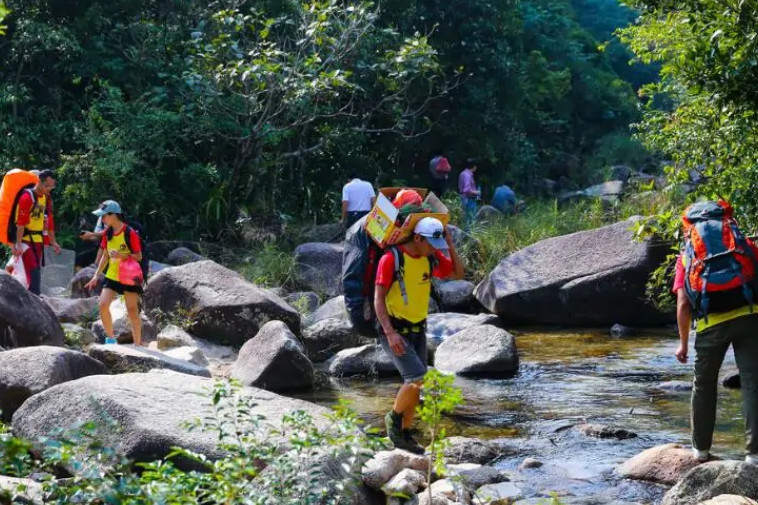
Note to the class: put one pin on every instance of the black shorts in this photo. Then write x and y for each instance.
(121, 288)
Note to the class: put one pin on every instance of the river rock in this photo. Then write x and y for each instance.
(188, 353)
(25, 320)
(223, 306)
(729, 499)
(713, 479)
(474, 476)
(305, 302)
(318, 266)
(478, 351)
(406, 482)
(443, 325)
(471, 450)
(494, 494)
(596, 277)
(150, 409)
(73, 310)
(31, 370)
(530, 463)
(619, 330)
(602, 431)
(367, 360)
(77, 337)
(160, 249)
(664, 464)
(81, 278)
(122, 359)
(457, 296)
(174, 336)
(333, 308)
(24, 491)
(274, 360)
(732, 381)
(183, 256)
(386, 464)
(328, 337)
(675, 386)
(487, 214)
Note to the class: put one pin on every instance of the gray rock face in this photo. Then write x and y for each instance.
(305, 303)
(712, 479)
(319, 267)
(330, 309)
(446, 324)
(457, 296)
(595, 277)
(78, 337)
(223, 306)
(367, 360)
(274, 360)
(479, 351)
(386, 464)
(25, 320)
(183, 256)
(28, 371)
(73, 310)
(173, 336)
(150, 410)
(121, 359)
(665, 464)
(186, 353)
(328, 337)
(474, 476)
(80, 279)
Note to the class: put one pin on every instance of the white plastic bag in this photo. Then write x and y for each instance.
(19, 270)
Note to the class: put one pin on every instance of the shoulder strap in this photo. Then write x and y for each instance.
(400, 272)
(128, 237)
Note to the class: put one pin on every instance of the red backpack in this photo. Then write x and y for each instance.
(720, 266)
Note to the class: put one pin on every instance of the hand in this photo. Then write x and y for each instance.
(117, 255)
(681, 353)
(397, 344)
(92, 284)
(88, 235)
(56, 248)
(17, 249)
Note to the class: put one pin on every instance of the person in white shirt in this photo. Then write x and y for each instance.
(358, 199)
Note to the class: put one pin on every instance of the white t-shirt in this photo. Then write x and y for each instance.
(358, 195)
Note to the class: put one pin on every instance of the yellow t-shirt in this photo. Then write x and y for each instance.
(36, 225)
(116, 243)
(418, 286)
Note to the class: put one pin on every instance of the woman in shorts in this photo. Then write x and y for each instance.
(120, 243)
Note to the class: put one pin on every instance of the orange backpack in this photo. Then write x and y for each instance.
(13, 186)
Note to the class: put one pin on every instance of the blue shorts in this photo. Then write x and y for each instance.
(413, 363)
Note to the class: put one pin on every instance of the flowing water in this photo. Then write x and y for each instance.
(567, 378)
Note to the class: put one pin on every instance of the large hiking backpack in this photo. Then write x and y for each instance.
(14, 184)
(135, 227)
(360, 261)
(720, 266)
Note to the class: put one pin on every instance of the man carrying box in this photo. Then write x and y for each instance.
(402, 292)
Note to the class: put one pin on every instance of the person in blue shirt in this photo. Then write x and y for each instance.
(504, 199)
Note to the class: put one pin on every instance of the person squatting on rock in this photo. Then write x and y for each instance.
(401, 303)
(715, 283)
(35, 226)
(120, 244)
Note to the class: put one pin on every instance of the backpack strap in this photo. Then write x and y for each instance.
(397, 254)
(128, 237)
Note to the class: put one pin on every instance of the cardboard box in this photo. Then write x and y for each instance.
(381, 222)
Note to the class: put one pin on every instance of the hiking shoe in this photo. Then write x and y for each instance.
(411, 444)
(701, 456)
(394, 424)
(751, 459)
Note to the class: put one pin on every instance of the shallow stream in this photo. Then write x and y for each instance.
(568, 378)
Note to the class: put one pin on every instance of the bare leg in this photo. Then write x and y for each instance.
(406, 401)
(132, 309)
(106, 298)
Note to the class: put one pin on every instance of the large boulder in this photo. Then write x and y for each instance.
(664, 464)
(457, 296)
(446, 324)
(183, 256)
(330, 309)
(122, 326)
(80, 280)
(73, 310)
(318, 266)
(367, 360)
(222, 305)
(710, 480)
(595, 277)
(478, 351)
(328, 337)
(487, 214)
(329, 232)
(25, 320)
(386, 464)
(274, 360)
(31, 370)
(150, 409)
(121, 359)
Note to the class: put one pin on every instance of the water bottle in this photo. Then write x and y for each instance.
(110, 340)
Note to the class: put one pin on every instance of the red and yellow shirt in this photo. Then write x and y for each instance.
(118, 243)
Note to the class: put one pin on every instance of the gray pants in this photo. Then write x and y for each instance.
(710, 348)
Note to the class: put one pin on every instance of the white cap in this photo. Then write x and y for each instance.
(433, 231)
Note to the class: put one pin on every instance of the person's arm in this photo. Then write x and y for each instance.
(396, 342)
(684, 323)
(449, 267)
(103, 261)
(51, 228)
(25, 204)
(343, 217)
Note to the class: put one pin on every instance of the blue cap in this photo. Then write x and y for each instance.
(108, 207)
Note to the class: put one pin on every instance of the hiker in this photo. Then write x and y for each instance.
(401, 302)
(439, 169)
(505, 199)
(358, 199)
(121, 249)
(469, 192)
(88, 248)
(35, 227)
(715, 285)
